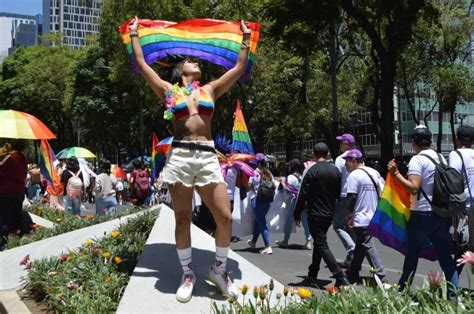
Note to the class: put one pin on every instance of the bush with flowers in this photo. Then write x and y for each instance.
(63, 222)
(92, 278)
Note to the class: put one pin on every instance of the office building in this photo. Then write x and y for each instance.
(16, 30)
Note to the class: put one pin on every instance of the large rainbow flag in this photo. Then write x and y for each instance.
(47, 169)
(390, 220)
(240, 135)
(215, 41)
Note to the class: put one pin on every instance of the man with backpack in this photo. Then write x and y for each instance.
(364, 186)
(462, 160)
(425, 222)
(140, 183)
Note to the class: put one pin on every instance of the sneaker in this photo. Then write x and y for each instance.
(342, 282)
(283, 243)
(223, 282)
(267, 251)
(308, 245)
(251, 244)
(185, 290)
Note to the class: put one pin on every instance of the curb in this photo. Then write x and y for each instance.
(10, 302)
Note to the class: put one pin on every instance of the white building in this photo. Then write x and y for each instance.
(9, 25)
(75, 19)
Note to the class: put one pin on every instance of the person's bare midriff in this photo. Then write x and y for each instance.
(193, 128)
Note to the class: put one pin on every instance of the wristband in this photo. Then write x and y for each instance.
(247, 33)
(396, 173)
(244, 44)
(133, 34)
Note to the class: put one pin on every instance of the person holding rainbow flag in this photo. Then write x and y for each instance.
(192, 161)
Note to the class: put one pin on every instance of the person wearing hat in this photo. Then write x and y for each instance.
(424, 225)
(292, 186)
(364, 186)
(346, 142)
(462, 160)
(192, 162)
(320, 189)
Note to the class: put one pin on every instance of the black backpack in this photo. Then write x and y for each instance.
(449, 198)
(266, 191)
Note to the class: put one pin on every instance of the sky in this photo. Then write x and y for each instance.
(27, 7)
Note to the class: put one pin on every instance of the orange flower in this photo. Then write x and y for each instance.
(106, 254)
(118, 260)
(332, 289)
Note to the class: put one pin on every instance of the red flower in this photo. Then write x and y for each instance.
(25, 260)
(63, 257)
(28, 265)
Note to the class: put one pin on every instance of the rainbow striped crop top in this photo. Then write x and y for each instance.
(177, 104)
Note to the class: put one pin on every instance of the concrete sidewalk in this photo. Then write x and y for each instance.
(153, 284)
(12, 273)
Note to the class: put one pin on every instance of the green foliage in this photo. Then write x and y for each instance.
(64, 222)
(91, 279)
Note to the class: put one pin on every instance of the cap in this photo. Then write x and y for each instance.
(421, 134)
(259, 157)
(465, 132)
(320, 148)
(346, 138)
(353, 153)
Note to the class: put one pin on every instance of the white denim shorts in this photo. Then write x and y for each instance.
(192, 167)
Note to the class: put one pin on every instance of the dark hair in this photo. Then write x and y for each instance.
(175, 73)
(265, 173)
(106, 164)
(137, 164)
(421, 136)
(295, 166)
(15, 144)
(72, 164)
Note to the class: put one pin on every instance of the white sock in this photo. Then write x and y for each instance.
(221, 259)
(185, 259)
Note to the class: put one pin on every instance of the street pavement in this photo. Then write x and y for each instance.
(290, 265)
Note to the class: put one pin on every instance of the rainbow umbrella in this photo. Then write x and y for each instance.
(21, 125)
(79, 152)
(118, 172)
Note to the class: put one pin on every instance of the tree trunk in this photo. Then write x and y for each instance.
(289, 148)
(387, 77)
(440, 130)
(451, 123)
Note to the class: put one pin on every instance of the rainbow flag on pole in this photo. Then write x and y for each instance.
(215, 41)
(240, 135)
(390, 220)
(158, 154)
(46, 162)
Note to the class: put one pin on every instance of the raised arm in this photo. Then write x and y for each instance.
(159, 86)
(225, 82)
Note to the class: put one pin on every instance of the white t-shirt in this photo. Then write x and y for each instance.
(255, 183)
(423, 167)
(340, 163)
(358, 182)
(230, 180)
(456, 163)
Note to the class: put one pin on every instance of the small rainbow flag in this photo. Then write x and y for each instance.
(240, 135)
(47, 169)
(158, 154)
(390, 220)
(215, 41)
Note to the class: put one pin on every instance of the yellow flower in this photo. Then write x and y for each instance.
(304, 293)
(244, 289)
(286, 289)
(106, 254)
(256, 291)
(118, 260)
(115, 234)
(88, 242)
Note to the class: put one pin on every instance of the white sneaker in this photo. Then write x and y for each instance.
(185, 290)
(267, 251)
(251, 244)
(223, 282)
(308, 245)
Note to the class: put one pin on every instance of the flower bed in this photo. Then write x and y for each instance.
(92, 278)
(64, 222)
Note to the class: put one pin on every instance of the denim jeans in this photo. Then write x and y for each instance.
(339, 224)
(104, 203)
(34, 191)
(290, 219)
(422, 227)
(260, 209)
(72, 205)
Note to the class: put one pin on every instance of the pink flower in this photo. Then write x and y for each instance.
(467, 258)
(72, 284)
(63, 257)
(28, 265)
(25, 260)
(435, 279)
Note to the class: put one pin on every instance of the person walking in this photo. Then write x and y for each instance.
(292, 186)
(140, 183)
(424, 225)
(319, 192)
(192, 162)
(73, 183)
(261, 197)
(105, 186)
(346, 142)
(364, 186)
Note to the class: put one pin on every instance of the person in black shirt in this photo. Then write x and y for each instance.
(320, 189)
